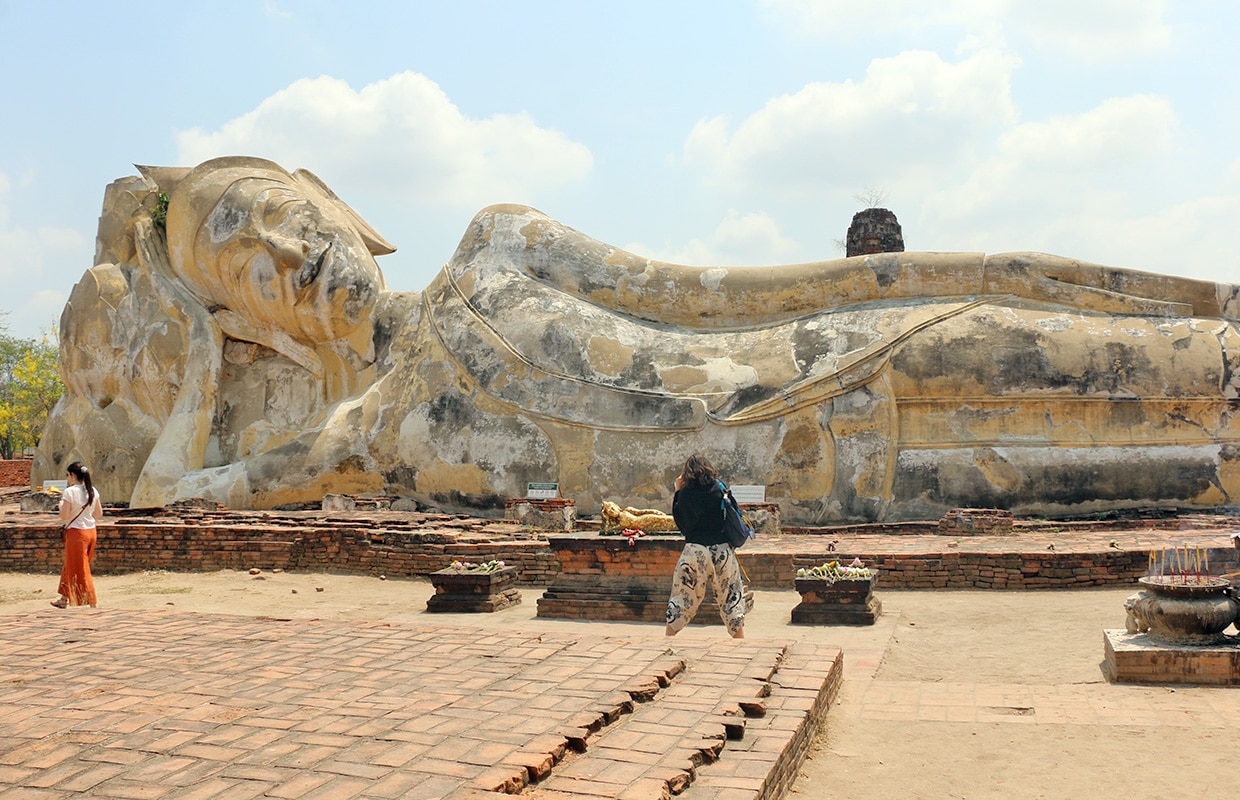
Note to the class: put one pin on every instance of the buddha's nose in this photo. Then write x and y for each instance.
(288, 254)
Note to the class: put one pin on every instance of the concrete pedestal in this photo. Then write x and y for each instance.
(1134, 658)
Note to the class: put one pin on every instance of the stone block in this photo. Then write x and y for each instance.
(764, 517)
(40, 501)
(557, 514)
(976, 522)
(339, 502)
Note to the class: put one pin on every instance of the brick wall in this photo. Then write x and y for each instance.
(126, 548)
(134, 546)
(15, 472)
(1001, 571)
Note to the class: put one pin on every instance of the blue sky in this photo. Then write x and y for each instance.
(726, 133)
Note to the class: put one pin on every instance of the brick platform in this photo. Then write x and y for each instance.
(166, 705)
(472, 592)
(608, 577)
(1132, 658)
(841, 602)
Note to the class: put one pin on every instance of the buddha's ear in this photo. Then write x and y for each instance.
(377, 245)
(165, 178)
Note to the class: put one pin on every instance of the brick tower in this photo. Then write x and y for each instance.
(875, 230)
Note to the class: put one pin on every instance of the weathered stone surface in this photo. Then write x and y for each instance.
(251, 355)
(40, 501)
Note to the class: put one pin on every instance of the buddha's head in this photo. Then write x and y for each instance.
(278, 249)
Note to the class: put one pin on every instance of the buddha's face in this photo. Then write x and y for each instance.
(279, 257)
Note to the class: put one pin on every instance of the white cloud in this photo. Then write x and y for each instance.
(1088, 30)
(400, 137)
(41, 315)
(912, 120)
(28, 258)
(272, 10)
(1232, 172)
(23, 250)
(1193, 238)
(1062, 170)
(739, 240)
(1103, 186)
(847, 17)
(1094, 30)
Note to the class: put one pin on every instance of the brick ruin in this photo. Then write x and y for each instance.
(874, 230)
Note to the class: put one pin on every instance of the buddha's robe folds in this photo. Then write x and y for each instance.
(882, 387)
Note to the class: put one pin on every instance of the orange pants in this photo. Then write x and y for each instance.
(75, 580)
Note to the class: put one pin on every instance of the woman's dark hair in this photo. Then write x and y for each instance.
(699, 471)
(78, 470)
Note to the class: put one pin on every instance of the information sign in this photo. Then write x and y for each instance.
(747, 493)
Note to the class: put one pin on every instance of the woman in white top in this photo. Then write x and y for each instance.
(79, 508)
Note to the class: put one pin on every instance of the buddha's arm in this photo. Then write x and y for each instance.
(515, 237)
(1080, 284)
(747, 297)
(182, 443)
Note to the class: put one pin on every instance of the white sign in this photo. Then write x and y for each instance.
(749, 493)
(542, 491)
(61, 485)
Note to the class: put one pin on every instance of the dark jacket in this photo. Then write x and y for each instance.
(699, 515)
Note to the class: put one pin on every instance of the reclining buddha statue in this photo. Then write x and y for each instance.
(236, 342)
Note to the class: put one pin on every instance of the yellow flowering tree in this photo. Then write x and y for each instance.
(29, 388)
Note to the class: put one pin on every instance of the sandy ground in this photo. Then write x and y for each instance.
(1020, 670)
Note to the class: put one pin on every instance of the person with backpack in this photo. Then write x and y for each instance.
(698, 508)
(79, 508)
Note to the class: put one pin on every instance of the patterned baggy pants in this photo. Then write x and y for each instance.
(699, 562)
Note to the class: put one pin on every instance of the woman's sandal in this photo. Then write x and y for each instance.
(60, 603)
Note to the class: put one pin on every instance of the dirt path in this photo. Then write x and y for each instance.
(950, 695)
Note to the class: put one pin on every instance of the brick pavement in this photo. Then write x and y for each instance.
(162, 705)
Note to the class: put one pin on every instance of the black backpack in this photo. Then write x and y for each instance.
(735, 526)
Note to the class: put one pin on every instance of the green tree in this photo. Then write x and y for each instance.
(29, 388)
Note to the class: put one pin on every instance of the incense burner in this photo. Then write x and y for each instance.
(1183, 610)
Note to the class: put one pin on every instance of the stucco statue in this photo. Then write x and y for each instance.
(251, 355)
(1138, 610)
(616, 519)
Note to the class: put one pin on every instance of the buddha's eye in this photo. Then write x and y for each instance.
(281, 209)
